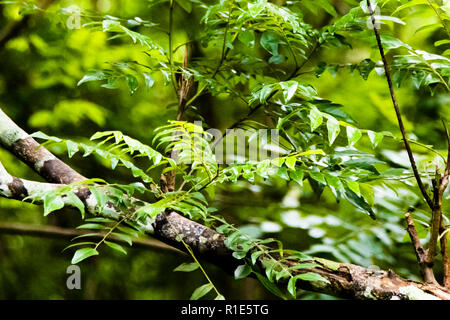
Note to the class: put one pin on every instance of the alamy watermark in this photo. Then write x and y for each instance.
(74, 19)
(74, 279)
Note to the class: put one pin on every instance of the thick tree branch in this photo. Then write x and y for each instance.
(343, 279)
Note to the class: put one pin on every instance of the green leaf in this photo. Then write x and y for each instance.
(129, 231)
(316, 118)
(185, 4)
(290, 162)
(41, 135)
(201, 291)
(149, 79)
(310, 276)
(100, 196)
(82, 254)
(247, 37)
(375, 137)
(187, 267)
(242, 271)
(365, 67)
(289, 88)
(333, 128)
(255, 255)
(132, 82)
(78, 244)
(353, 135)
(99, 219)
(115, 246)
(92, 226)
(76, 202)
(292, 289)
(325, 4)
(93, 76)
(318, 176)
(52, 202)
(72, 148)
(151, 210)
(270, 41)
(297, 176)
(360, 202)
(270, 286)
(354, 186)
(123, 237)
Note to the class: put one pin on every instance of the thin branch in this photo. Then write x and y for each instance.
(66, 233)
(397, 111)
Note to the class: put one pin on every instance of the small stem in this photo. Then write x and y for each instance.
(109, 232)
(188, 248)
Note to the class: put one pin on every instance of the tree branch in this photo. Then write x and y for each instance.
(343, 279)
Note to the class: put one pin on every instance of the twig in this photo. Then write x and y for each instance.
(425, 270)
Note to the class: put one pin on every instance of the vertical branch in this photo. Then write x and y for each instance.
(397, 111)
(435, 204)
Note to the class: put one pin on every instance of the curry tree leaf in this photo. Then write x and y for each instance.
(334, 128)
(115, 246)
(201, 291)
(316, 118)
(242, 271)
(52, 202)
(353, 135)
(187, 267)
(82, 254)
